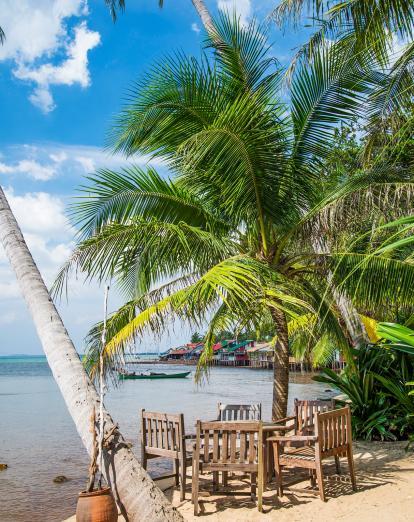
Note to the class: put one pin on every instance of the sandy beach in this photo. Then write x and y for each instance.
(385, 478)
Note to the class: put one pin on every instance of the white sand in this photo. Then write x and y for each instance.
(385, 480)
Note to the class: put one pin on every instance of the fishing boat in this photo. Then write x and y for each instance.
(152, 375)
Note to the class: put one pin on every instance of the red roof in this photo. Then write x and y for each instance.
(216, 347)
(193, 345)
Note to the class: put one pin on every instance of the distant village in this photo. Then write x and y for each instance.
(232, 352)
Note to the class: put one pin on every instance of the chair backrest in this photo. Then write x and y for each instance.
(305, 414)
(235, 412)
(162, 433)
(334, 431)
(229, 445)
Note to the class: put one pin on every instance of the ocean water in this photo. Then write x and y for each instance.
(38, 439)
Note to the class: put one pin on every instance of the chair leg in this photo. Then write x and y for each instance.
(278, 469)
(351, 468)
(312, 478)
(253, 478)
(225, 478)
(269, 461)
(176, 471)
(195, 487)
(183, 480)
(337, 465)
(215, 480)
(319, 476)
(260, 487)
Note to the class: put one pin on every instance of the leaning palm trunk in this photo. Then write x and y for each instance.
(136, 493)
(280, 366)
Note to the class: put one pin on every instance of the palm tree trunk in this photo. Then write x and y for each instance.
(136, 493)
(204, 14)
(280, 366)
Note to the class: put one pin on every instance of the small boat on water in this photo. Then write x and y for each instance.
(152, 375)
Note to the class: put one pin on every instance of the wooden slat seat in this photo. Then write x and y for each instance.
(332, 438)
(304, 453)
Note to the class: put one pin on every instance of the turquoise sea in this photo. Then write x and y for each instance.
(38, 440)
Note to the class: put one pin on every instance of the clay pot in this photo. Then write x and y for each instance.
(97, 506)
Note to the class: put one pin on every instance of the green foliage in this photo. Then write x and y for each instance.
(381, 405)
(196, 338)
(232, 232)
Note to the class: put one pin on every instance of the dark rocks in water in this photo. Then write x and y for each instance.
(327, 391)
(60, 479)
(3, 467)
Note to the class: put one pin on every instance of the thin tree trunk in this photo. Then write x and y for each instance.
(204, 14)
(280, 366)
(138, 496)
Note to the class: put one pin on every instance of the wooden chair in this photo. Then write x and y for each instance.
(163, 435)
(228, 446)
(235, 412)
(305, 414)
(332, 438)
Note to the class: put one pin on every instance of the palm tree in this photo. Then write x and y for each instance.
(134, 489)
(228, 239)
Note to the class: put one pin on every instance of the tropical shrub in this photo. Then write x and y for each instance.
(381, 404)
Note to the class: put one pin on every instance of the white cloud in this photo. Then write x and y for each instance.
(58, 157)
(30, 167)
(195, 27)
(41, 215)
(42, 98)
(37, 34)
(243, 8)
(35, 28)
(87, 163)
(51, 161)
(5, 169)
(48, 234)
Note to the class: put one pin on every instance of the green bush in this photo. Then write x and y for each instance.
(381, 405)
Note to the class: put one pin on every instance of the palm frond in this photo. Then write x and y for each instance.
(115, 6)
(375, 281)
(324, 93)
(373, 22)
(144, 251)
(138, 193)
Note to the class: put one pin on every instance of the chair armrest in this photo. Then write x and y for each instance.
(293, 438)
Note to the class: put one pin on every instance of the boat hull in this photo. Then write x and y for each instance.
(182, 375)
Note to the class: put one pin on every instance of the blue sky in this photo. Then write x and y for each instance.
(64, 72)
